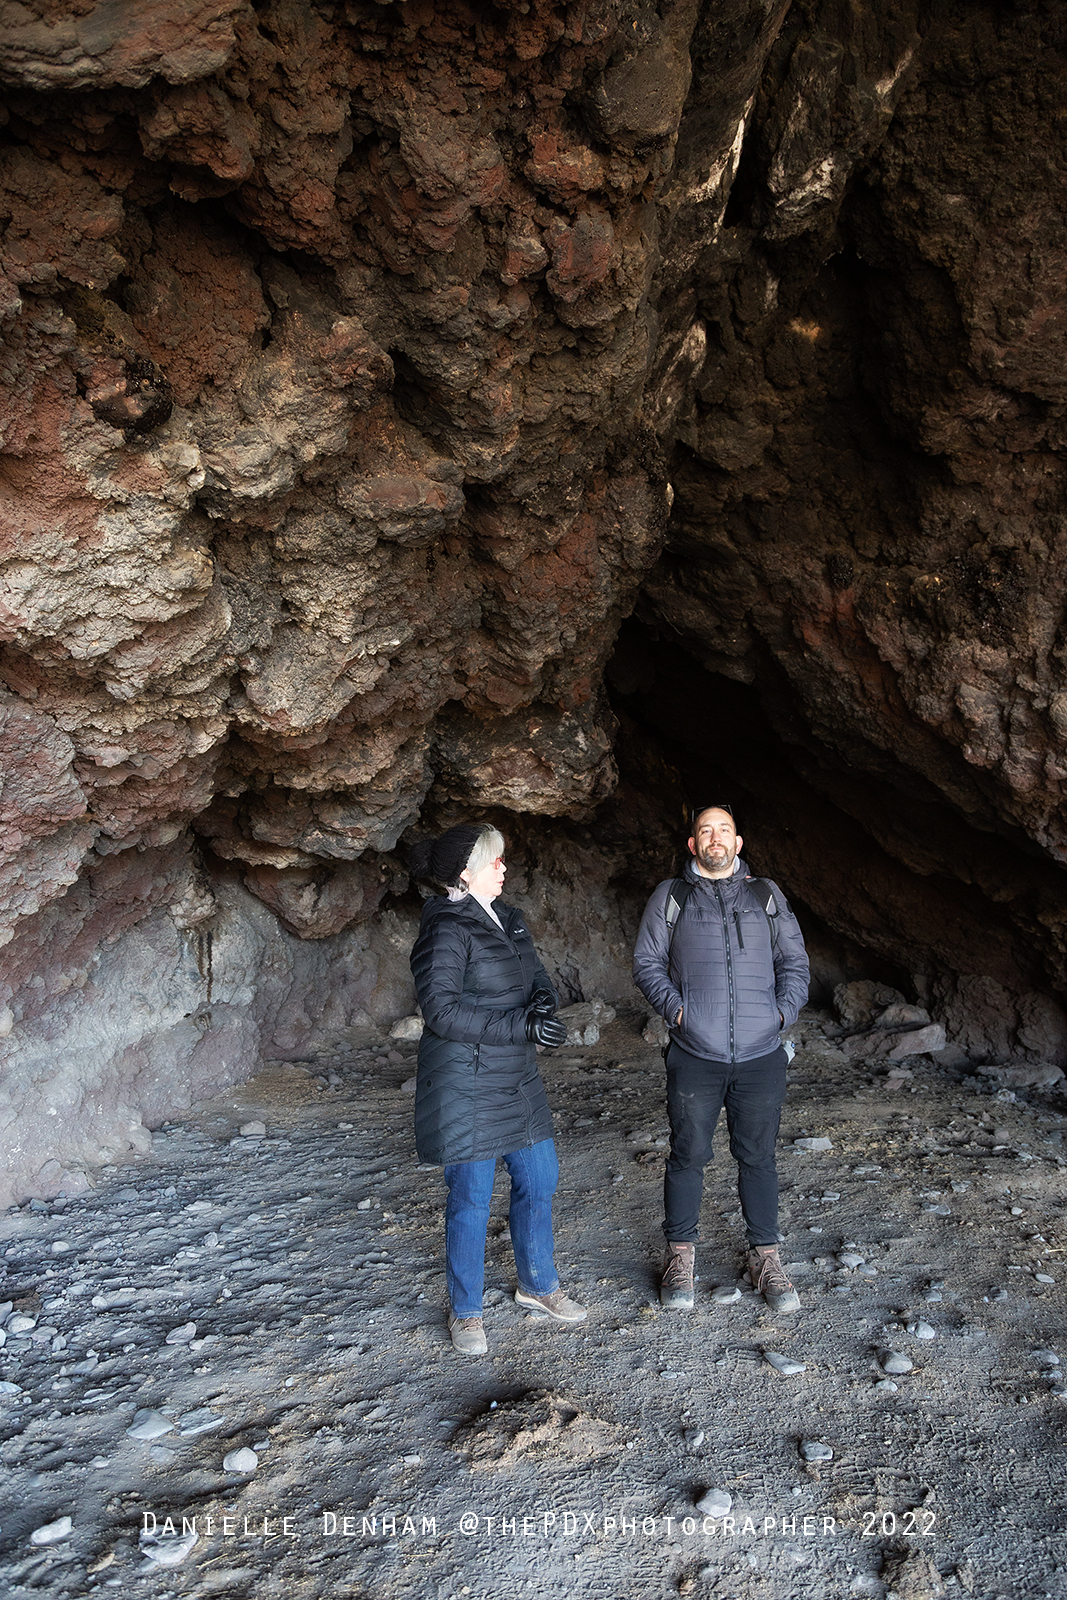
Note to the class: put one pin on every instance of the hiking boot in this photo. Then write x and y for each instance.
(676, 1284)
(767, 1275)
(556, 1304)
(468, 1335)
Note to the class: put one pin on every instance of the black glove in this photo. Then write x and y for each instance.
(543, 1002)
(545, 1030)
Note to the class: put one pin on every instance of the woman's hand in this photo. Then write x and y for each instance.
(548, 1031)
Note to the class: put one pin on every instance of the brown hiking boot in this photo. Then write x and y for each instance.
(676, 1284)
(767, 1275)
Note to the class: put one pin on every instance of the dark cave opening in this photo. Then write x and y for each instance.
(868, 864)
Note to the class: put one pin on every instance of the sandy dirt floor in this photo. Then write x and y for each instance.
(282, 1293)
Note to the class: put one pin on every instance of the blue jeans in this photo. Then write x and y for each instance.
(752, 1093)
(534, 1175)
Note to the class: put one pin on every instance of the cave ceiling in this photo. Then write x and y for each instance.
(367, 366)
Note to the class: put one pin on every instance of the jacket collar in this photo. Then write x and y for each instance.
(728, 885)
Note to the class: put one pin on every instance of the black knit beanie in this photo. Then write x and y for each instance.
(443, 859)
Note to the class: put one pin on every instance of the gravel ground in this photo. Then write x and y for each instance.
(282, 1292)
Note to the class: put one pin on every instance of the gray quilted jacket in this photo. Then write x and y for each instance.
(724, 975)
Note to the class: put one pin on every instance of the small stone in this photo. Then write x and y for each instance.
(893, 1361)
(1045, 1358)
(7, 1387)
(20, 1323)
(408, 1086)
(867, 1271)
(694, 1438)
(148, 1425)
(182, 1335)
(932, 1297)
(60, 1246)
(785, 1365)
(938, 1210)
(921, 1330)
(413, 1461)
(363, 1205)
(887, 1386)
(715, 1503)
(812, 1144)
(815, 1450)
(1043, 1277)
(52, 1532)
(167, 1550)
(849, 1258)
(726, 1295)
(243, 1460)
(253, 1130)
(202, 1420)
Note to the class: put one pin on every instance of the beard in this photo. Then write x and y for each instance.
(717, 858)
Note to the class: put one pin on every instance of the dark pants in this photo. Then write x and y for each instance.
(752, 1092)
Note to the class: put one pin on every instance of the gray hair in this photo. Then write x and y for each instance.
(488, 845)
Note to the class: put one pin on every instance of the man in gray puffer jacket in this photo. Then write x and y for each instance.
(727, 971)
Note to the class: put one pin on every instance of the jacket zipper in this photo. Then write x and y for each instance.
(729, 963)
(477, 1056)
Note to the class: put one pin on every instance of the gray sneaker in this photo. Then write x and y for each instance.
(676, 1282)
(556, 1304)
(468, 1335)
(767, 1275)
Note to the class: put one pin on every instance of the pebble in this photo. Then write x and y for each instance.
(148, 1425)
(243, 1460)
(1046, 1358)
(815, 1450)
(887, 1386)
(166, 1549)
(867, 1271)
(199, 1421)
(813, 1144)
(408, 1086)
(939, 1210)
(715, 1503)
(893, 1361)
(20, 1323)
(694, 1438)
(725, 1295)
(849, 1258)
(60, 1246)
(52, 1532)
(253, 1130)
(784, 1364)
(932, 1297)
(183, 1334)
(1043, 1277)
(363, 1205)
(921, 1330)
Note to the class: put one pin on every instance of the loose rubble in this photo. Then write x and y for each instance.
(302, 1268)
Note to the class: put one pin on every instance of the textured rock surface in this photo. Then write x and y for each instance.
(352, 360)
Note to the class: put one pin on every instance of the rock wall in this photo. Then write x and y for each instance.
(365, 366)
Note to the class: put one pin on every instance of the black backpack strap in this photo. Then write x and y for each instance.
(677, 896)
(764, 892)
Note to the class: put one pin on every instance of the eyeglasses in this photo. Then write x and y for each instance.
(714, 805)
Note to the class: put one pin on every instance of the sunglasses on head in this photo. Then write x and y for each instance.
(714, 805)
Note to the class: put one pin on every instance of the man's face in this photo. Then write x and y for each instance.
(715, 843)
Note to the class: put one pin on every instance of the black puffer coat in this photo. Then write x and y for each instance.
(479, 1093)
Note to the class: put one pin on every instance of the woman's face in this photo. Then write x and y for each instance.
(489, 882)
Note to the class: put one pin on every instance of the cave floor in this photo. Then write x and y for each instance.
(567, 1462)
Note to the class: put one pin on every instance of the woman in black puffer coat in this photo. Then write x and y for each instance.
(486, 1002)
